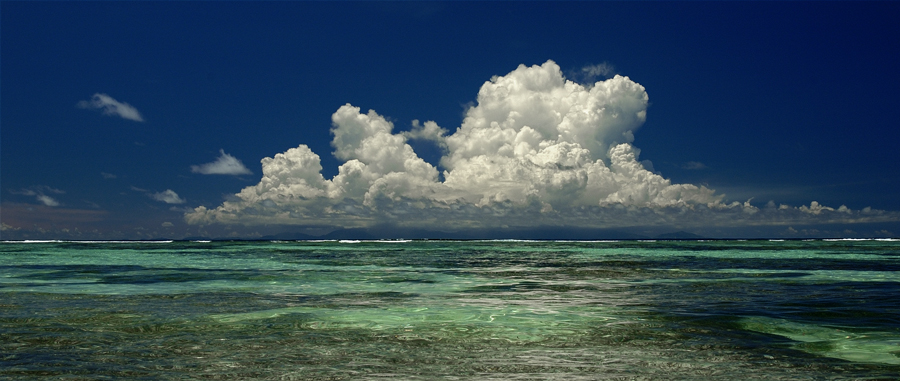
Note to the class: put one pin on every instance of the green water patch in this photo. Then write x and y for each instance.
(449, 310)
(306, 279)
(757, 275)
(462, 320)
(842, 343)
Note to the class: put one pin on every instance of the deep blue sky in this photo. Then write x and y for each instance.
(790, 102)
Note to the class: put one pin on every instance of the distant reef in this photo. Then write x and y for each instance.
(551, 233)
(679, 235)
(548, 233)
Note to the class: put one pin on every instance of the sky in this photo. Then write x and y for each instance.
(142, 120)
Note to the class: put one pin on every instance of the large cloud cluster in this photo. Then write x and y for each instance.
(536, 149)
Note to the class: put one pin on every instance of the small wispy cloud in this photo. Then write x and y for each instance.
(591, 73)
(693, 165)
(109, 106)
(107, 175)
(39, 192)
(604, 69)
(168, 196)
(5, 227)
(225, 164)
(47, 200)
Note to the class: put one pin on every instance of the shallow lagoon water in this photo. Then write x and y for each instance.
(815, 310)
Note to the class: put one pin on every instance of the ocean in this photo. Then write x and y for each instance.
(454, 310)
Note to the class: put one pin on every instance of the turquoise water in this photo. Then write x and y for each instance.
(813, 310)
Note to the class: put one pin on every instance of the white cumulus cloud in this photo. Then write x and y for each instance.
(168, 196)
(225, 164)
(429, 131)
(109, 106)
(535, 150)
